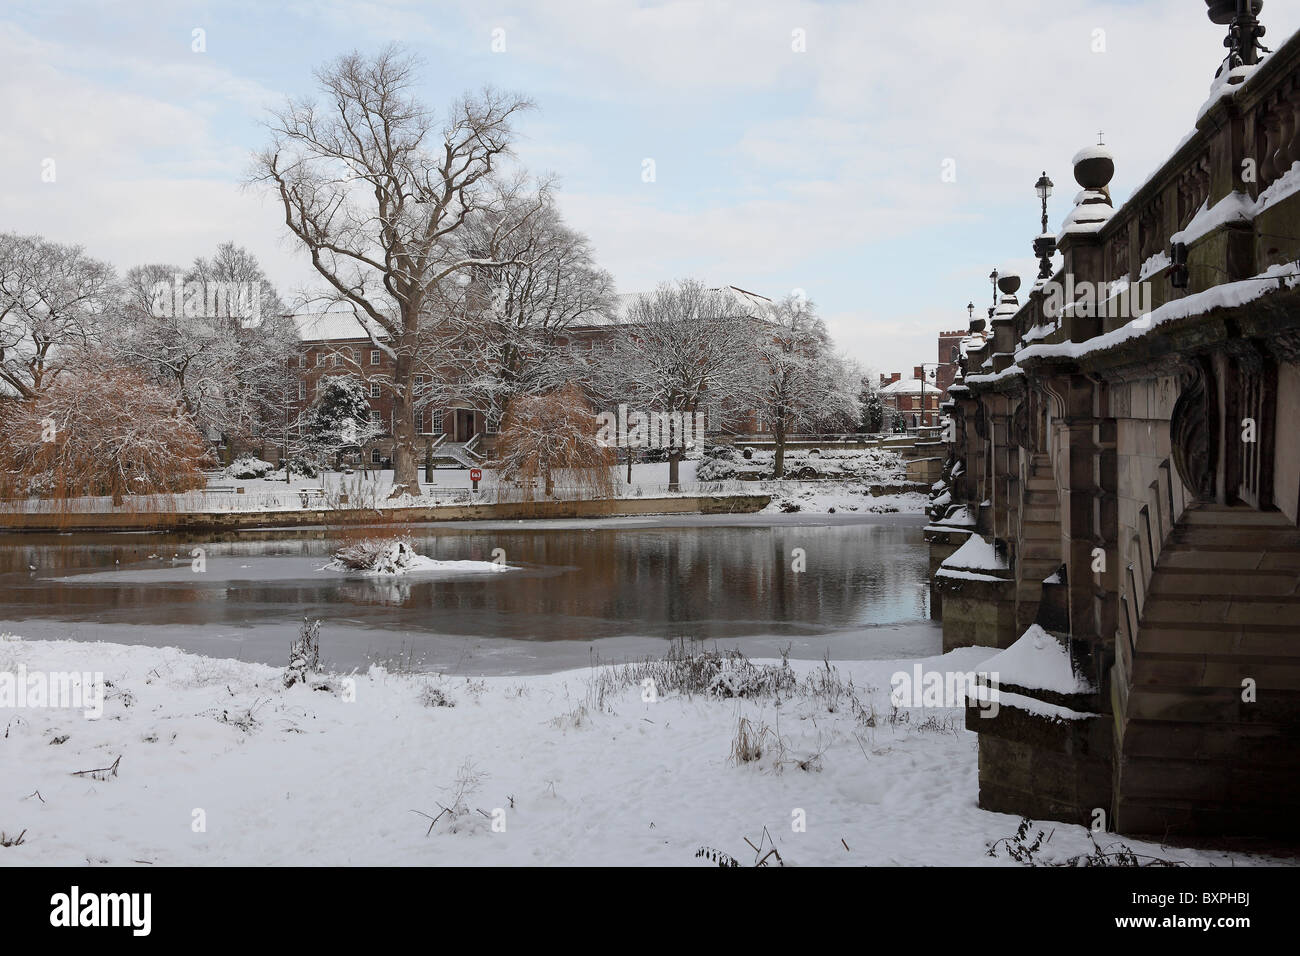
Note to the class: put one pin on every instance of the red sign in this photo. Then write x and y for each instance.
(476, 474)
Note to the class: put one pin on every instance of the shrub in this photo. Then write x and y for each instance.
(246, 467)
(100, 431)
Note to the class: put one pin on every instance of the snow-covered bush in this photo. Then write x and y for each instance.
(380, 555)
(304, 654)
(718, 464)
(246, 467)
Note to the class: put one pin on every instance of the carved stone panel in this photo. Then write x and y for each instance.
(1193, 431)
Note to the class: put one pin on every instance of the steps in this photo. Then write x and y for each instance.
(1039, 553)
(459, 452)
(1222, 607)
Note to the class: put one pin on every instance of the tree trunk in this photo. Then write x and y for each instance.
(674, 461)
(406, 469)
(629, 464)
(778, 438)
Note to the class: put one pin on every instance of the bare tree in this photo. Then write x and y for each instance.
(682, 349)
(53, 301)
(803, 382)
(377, 191)
(516, 343)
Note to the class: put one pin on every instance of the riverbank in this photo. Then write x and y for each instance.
(216, 763)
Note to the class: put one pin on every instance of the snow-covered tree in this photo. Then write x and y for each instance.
(873, 407)
(803, 383)
(100, 430)
(216, 333)
(53, 302)
(339, 419)
(377, 190)
(683, 348)
(511, 345)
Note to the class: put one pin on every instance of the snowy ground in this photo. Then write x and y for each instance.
(302, 776)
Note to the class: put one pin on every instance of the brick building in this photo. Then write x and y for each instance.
(334, 344)
(947, 371)
(915, 399)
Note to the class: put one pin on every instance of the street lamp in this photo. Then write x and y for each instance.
(993, 277)
(1044, 245)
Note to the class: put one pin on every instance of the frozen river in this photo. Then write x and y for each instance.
(618, 587)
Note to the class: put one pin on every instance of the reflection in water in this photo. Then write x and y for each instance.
(705, 582)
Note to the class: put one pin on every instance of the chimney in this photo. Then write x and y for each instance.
(918, 371)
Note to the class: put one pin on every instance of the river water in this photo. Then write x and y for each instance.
(616, 588)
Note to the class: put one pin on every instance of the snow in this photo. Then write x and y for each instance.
(1092, 152)
(976, 553)
(1030, 705)
(1228, 295)
(1008, 372)
(1226, 83)
(302, 776)
(828, 497)
(1285, 185)
(1037, 661)
(1153, 264)
(398, 557)
(1235, 207)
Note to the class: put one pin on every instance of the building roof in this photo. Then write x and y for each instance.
(345, 326)
(908, 386)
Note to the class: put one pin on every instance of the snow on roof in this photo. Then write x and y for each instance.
(344, 326)
(907, 386)
(329, 327)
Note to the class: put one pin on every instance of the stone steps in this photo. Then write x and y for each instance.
(1222, 607)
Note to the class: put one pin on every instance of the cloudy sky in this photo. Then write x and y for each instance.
(795, 145)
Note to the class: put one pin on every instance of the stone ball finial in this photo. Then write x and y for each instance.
(1093, 167)
(1008, 281)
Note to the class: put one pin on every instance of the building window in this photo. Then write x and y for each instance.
(302, 391)
(417, 418)
(374, 356)
(375, 418)
(493, 421)
(302, 361)
(419, 385)
(375, 458)
(375, 390)
(320, 359)
(436, 426)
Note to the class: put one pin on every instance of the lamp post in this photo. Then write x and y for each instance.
(1044, 245)
(1244, 29)
(993, 277)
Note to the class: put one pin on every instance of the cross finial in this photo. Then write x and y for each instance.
(1099, 142)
